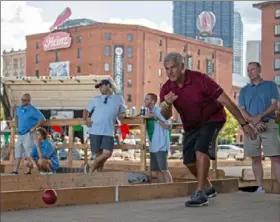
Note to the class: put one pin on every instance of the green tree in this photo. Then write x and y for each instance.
(227, 134)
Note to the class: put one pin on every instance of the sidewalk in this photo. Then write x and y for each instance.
(243, 207)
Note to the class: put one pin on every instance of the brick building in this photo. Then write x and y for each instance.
(139, 51)
(270, 50)
(14, 63)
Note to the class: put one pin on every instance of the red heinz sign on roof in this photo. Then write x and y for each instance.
(57, 40)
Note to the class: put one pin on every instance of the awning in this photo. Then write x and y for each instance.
(61, 94)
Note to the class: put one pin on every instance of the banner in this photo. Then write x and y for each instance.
(119, 67)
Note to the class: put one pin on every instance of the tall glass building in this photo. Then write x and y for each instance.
(238, 44)
(185, 14)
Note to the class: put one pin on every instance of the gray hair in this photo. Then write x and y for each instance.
(173, 56)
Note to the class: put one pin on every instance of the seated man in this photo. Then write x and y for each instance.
(43, 155)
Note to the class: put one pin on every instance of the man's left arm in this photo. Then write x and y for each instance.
(227, 102)
(215, 92)
(40, 119)
(274, 101)
(122, 109)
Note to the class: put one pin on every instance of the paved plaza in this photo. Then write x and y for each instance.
(241, 207)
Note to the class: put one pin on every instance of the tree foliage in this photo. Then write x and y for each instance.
(229, 131)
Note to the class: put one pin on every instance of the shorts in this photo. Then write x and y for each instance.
(99, 143)
(24, 145)
(269, 139)
(158, 161)
(201, 139)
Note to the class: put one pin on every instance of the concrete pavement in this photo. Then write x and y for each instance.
(243, 207)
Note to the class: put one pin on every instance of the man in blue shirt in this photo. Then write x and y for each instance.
(43, 155)
(27, 119)
(258, 103)
(105, 109)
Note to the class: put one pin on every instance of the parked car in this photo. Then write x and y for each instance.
(230, 151)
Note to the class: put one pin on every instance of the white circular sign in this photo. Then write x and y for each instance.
(119, 51)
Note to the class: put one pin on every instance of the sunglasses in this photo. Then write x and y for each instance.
(24, 100)
(105, 100)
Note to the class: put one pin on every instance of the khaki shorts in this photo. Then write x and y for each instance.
(24, 145)
(269, 139)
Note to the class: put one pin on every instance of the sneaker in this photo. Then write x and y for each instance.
(260, 190)
(210, 192)
(198, 199)
(46, 173)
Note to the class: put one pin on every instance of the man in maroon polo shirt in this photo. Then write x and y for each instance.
(200, 102)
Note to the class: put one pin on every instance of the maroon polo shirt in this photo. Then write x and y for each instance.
(197, 100)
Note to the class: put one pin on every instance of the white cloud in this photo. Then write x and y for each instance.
(18, 19)
(163, 26)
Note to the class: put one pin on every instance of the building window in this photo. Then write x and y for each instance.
(277, 30)
(159, 72)
(79, 70)
(108, 36)
(213, 55)
(184, 48)
(37, 45)
(21, 73)
(79, 39)
(15, 74)
(129, 52)
(209, 67)
(198, 52)
(129, 67)
(277, 47)
(15, 61)
(198, 64)
(160, 42)
(160, 57)
(129, 98)
(107, 67)
(129, 37)
(79, 53)
(37, 73)
(129, 83)
(37, 59)
(276, 64)
(190, 62)
(277, 13)
(107, 51)
(57, 56)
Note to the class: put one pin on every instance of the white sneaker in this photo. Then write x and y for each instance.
(46, 173)
(260, 190)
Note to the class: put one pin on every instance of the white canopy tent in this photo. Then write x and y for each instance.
(71, 93)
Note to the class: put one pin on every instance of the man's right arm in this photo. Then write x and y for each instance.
(166, 109)
(242, 106)
(88, 109)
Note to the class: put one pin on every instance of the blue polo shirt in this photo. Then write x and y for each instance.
(161, 136)
(105, 111)
(28, 116)
(48, 152)
(257, 98)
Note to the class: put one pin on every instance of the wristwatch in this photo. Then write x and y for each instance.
(244, 124)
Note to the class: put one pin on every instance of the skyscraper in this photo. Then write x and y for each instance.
(185, 14)
(237, 44)
(253, 51)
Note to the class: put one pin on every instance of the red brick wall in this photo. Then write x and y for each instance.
(268, 39)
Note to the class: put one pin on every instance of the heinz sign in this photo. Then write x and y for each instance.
(57, 40)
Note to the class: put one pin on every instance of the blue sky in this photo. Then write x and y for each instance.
(29, 17)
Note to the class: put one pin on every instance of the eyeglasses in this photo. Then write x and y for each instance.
(105, 100)
(24, 100)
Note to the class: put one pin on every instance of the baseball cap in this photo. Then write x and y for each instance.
(103, 82)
